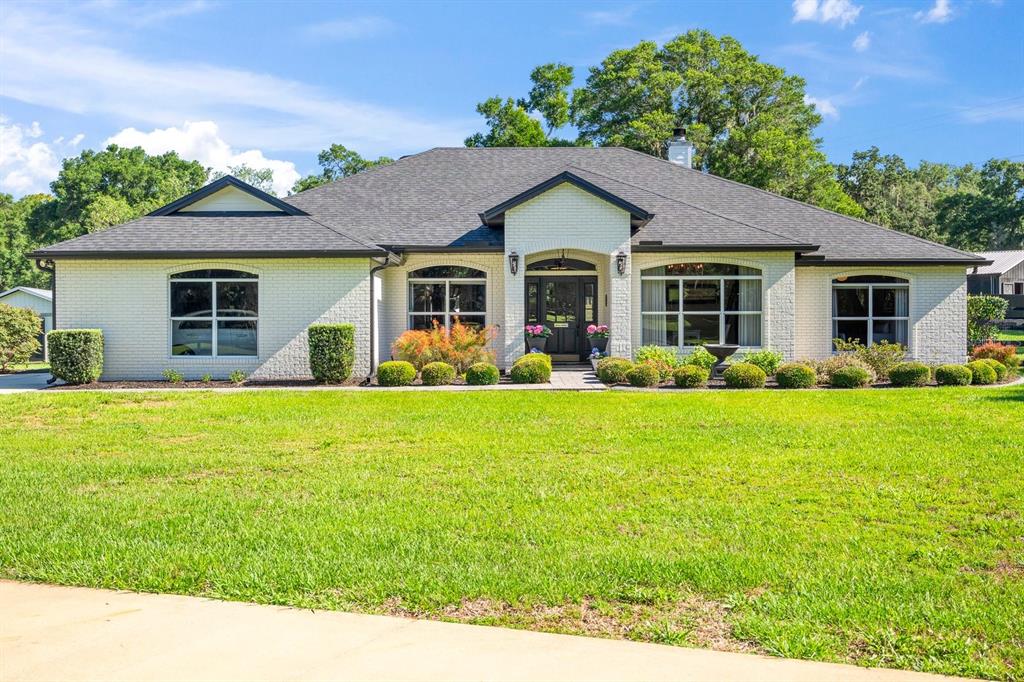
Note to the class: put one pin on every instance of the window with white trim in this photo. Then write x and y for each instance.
(871, 309)
(214, 313)
(691, 304)
(444, 293)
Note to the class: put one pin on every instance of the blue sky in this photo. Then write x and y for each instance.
(270, 84)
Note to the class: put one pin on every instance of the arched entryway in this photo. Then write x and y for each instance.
(562, 294)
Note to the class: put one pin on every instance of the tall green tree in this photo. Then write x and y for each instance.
(95, 190)
(336, 162)
(260, 178)
(549, 95)
(508, 125)
(988, 215)
(15, 242)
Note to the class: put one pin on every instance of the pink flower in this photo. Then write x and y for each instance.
(591, 329)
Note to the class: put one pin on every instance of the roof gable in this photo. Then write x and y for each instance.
(495, 216)
(44, 294)
(228, 196)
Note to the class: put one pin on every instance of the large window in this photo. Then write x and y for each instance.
(214, 313)
(446, 292)
(690, 304)
(871, 308)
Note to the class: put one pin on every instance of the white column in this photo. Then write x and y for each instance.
(619, 304)
(515, 311)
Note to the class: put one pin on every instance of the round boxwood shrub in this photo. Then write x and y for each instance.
(851, 376)
(1000, 368)
(482, 374)
(643, 376)
(744, 375)
(795, 375)
(690, 376)
(76, 355)
(332, 352)
(981, 372)
(534, 368)
(910, 374)
(437, 374)
(613, 370)
(953, 375)
(395, 373)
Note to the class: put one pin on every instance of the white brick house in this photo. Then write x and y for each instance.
(231, 278)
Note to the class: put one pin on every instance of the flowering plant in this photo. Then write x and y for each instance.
(537, 331)
(597, 354)
(597, 331)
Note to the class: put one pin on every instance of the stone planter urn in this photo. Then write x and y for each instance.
(721, 351)
(598, 342)
(537, 343)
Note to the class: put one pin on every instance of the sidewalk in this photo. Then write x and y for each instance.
(67, 633)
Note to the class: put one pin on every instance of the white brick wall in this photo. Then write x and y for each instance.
(938, 310)
(566, 217)
(393, 289)
(129, 301)
(779, 283)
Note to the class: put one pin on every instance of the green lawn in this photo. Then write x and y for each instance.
(1012, 335)
(31, 367)
(882, 527)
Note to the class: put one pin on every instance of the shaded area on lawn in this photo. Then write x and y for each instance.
(881, 527)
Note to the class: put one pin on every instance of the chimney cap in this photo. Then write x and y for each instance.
(679, 131)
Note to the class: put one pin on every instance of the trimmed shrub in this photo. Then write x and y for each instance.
(76, 355)
(662, 359)
(953, 375)
(744, 375)
(982, 311)
(437, 374)
(981, 372)
(910, 374)
(795, 375)
(701, 358)
(767, 360)
(643, 376)
(534, 368)
(173, 376)
(482, 374)
(613, 370)
(994, 350)
(332, 352)
(998, 367)
(851, 376)
(829, 366)
(690, 376)
(395, 373)
(19, 332)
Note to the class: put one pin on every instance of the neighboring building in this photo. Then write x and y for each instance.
(1004, 277)
(39, 301)
(230, 278)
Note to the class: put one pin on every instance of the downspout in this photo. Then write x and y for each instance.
(390, 260)
(49, 266)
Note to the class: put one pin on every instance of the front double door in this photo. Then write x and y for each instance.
(567, 305)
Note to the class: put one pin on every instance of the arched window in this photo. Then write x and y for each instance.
(690, 304)
(871, 308)
(442, 293)
(214, 313)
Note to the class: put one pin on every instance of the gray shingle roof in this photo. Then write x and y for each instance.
(433, 200)
(1002, 261)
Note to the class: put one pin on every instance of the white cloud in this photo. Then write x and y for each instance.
(76, 140)
(25, 166)
(62, 60)
(201, 141)
(610, 17)
(1009, 109)
(824, 106)
(940, 13)
(842, 12)
(862, 42)
(355, 28)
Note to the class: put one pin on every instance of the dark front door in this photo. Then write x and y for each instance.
(566, 305)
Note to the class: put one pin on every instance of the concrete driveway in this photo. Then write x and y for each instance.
(23, 381)
(69, 633)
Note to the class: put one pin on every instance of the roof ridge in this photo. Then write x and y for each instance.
(684, 203)
(799, 203)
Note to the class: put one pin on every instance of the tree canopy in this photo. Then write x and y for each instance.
(509, 125)
(260, 178)
(338, 161)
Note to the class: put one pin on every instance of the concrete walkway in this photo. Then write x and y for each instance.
(23, 381)
(67, 633)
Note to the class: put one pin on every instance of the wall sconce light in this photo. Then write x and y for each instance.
(513, 262)
(620, 262)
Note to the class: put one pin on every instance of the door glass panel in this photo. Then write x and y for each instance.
(700, 329)
(532, 303)
(560, 301)
(701, 295)
(589, 302)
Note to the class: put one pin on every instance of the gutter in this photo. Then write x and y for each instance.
(390, 260)
(50, 267)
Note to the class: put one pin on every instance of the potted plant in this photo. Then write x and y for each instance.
(598, 335)
(537, 337)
